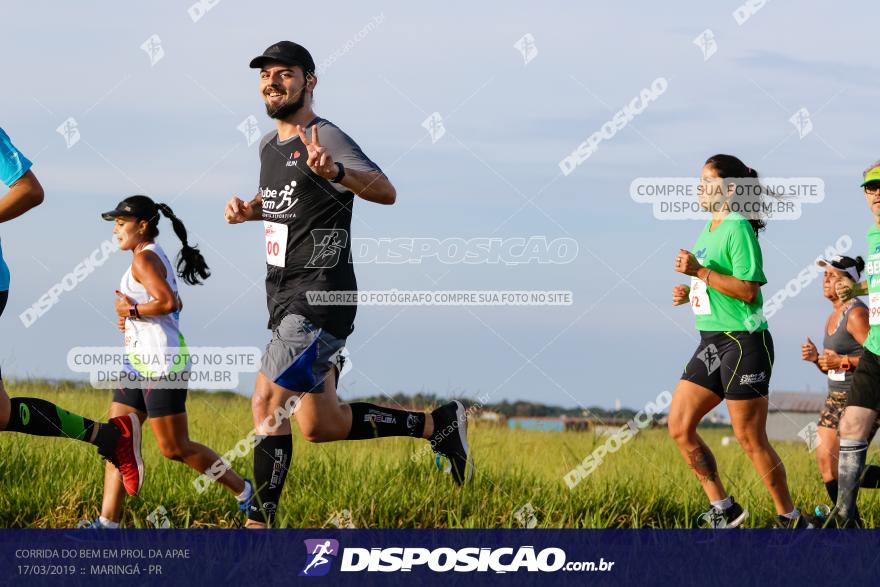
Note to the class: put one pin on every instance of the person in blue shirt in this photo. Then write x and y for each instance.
(118, 440)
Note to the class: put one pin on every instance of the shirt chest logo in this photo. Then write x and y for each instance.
(278, 201)
(293, 159)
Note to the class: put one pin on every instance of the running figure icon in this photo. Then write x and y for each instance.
(321, 549)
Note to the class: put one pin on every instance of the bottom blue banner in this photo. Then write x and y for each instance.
(448, 557)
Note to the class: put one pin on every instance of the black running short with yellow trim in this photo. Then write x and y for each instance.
(733, 365)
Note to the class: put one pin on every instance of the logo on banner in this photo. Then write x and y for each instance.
(320, 553)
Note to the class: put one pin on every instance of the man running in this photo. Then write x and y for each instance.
(846, 329)
(310, 172)
(863, 404)
(118, 441)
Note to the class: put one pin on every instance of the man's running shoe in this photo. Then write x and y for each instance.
(716, 518)
(450, 440)
(125, 454)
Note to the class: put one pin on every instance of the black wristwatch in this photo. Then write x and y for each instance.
(339, 175)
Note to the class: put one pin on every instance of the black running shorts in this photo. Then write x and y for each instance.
(733, 365)
(865, 391)
(154, 402)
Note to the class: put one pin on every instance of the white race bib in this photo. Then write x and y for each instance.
(276, 243)
(700, 297)
(837, 375)
(872, 269)
(874, 312)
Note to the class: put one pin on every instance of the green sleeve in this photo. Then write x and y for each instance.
(746, 261)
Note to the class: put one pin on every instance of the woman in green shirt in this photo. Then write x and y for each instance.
(734, 359)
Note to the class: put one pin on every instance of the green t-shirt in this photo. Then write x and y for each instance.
(872, 271)
(731, 249)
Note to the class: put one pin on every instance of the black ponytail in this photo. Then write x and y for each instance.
(191, 266)
(860, 266)
(730, 167)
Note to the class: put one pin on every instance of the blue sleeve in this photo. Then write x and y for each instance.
(13, 164)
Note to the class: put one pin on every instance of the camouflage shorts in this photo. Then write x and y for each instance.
(829, 417)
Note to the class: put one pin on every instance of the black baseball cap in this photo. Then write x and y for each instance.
(286, 52)
(140, 207)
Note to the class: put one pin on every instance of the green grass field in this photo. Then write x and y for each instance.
(393, 483)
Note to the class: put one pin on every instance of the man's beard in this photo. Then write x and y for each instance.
(288, 108)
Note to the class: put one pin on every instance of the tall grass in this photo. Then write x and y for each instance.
(392, 483)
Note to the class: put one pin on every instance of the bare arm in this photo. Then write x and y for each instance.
(148, 270)
(857, 325)
(847, 289)
(372, 186)
(238, 211)
(810, 353)
(746, 291)
(24, 194)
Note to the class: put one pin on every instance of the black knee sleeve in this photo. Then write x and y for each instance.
(370, 421)
(30, 417)
(272, 458)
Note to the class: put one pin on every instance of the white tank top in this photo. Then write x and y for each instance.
(154, 344)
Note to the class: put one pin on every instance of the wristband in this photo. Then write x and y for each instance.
(133, 312)
(844, 363)
(340, 174)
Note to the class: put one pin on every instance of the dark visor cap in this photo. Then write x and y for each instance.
(140, 207)
(288, 53)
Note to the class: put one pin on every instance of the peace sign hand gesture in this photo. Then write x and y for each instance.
(320, 160)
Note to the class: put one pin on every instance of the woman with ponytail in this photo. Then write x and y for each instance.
(734, 359)
(156, 357)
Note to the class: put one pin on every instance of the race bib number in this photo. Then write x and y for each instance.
(874, 312)
(700, 297)
(276, 243)
(834, 375)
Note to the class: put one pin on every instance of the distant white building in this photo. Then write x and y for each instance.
(490, 417)
(790, 412)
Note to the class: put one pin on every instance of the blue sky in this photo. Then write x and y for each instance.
(170, 131)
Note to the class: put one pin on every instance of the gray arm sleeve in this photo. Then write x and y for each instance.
(343, 149)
